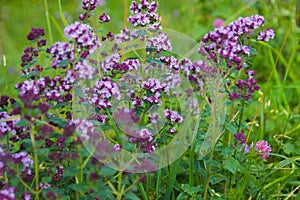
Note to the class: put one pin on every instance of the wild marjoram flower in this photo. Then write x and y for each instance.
(224, 44)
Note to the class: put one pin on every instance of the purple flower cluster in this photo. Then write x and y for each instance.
(4, 101)
(100, 94)
(159, 43)
(84, 70)
(6, 126)
(153, 118)
(104, 18)
(85, 39)
(173, 116)
(26, 196)
(89, 6)
(266, 35)
(154, 89)
(196, 71)
(8, 193)
(9, 125)
(144, 13)
(101, 118)
(225, 41)
(110, 62)
(84, 128)
(59, 89)
(35, 33)
(28, 57)
(125, 118)
(113, 63)
(245, 88)
(123, 36)
(21, 158)
(240, 138)
(135, 100)
(61, 51)
(173, 80)
(144, 138)
(171, 62)
(262, 147)
(59, 173)
(30, 91)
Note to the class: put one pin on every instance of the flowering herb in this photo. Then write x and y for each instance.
(117, 104)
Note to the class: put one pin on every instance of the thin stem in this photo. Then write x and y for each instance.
(132, 185)
(48, 21)
(148, 181)
(241, 115)
(158, 180)
(6, 73)
(61, 14)
(36, 165)
(208, 176)
(120, 192)
(124, 26)
(27, 187)
(81, 169)
(142, 191)
(191, 166)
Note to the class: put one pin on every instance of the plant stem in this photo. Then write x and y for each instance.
(48, 21)
(158, 183)
(241, 115)
(36, 165)
(81, 169)
(142, 191)
(172, 178)
(191, 166)
(61, 14)
(120, 192)
(208, 176)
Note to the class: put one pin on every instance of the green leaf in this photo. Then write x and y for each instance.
(131, 196)
(60, 122)
(230, 165)
(60, 105)
(154, 61)
(99, 31)
(63, 63)
(289, 148)
(181, 196)
(14, 181)
(231, 127)
(43, 152)
(227, 152)
(213, 163)
(79, 92)
(46, 179)
(79, 187)
(215, 179)
(21, 123)
(107, 171)
(30, 74)
(71, 171)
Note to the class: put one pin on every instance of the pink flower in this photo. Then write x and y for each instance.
(262, 147)
(218, 22)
